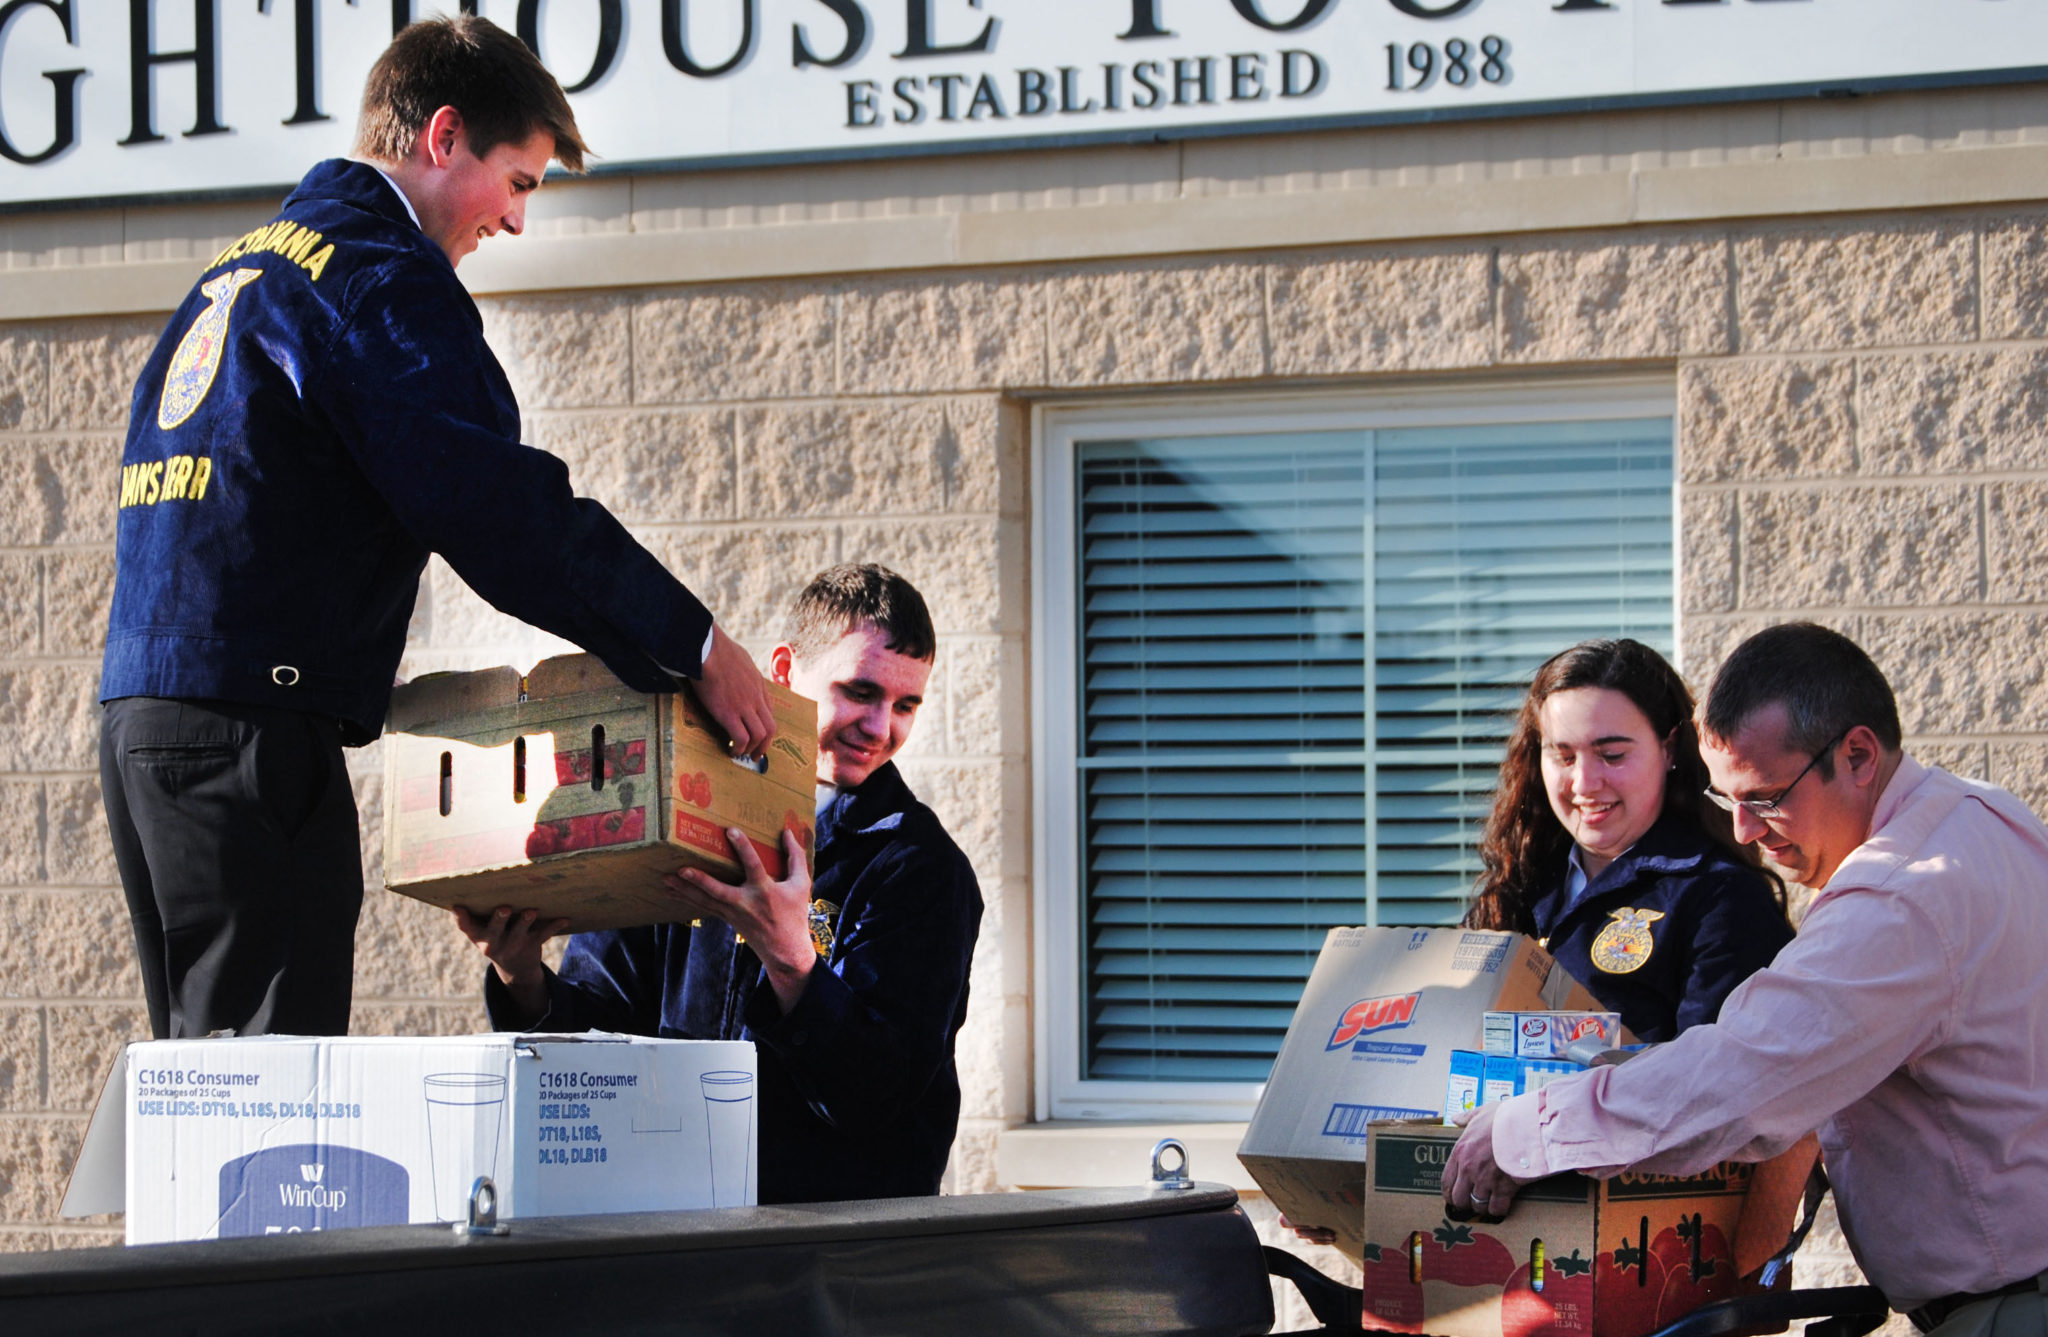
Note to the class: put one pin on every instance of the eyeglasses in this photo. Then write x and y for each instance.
(1763, 809)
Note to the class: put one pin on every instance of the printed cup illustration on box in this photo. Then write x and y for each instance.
(464, 1112)
(565, 791)
(729, 1112)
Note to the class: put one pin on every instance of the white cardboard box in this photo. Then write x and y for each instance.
(199, 1139)
(1372, 1040)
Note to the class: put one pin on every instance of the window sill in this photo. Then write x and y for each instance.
(1072, 1153)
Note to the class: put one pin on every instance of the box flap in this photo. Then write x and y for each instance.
(444, 696)
(460, 699)
(1772, 1207)
(99, 1179)
(1557, 989)
(566, 675)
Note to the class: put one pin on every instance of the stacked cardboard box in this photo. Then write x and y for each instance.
(1349, 1136)
(1372, 1039)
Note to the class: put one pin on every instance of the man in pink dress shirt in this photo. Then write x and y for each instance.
(1908, 1021)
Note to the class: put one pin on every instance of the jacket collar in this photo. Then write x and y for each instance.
(877, 805)
(1667, 847)
(354, 183)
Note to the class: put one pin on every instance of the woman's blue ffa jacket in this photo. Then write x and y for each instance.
(1667, 930)
(859, 1097)
(320, 415)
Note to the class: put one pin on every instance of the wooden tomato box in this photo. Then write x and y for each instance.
(566, 791)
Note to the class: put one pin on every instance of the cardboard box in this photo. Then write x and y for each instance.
(1575, 1256)
(1372, 1039)
(1545, 1034)
(1514, 1075)
(570, 793)
(1477, 1078)
(1465, 1088)
(204, 1139)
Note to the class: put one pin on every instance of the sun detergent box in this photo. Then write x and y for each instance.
(269, 1135)
(1574, 1257)
(1372, 1039)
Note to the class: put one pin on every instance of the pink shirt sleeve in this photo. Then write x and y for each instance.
(1866, 986)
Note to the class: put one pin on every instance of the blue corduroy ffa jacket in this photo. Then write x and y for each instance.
(1703, 922)
(319, 416)
(859, 1095)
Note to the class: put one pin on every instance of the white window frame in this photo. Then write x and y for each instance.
(1060, 1091)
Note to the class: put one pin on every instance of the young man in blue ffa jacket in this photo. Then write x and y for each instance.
(852, 986)
(320, 415)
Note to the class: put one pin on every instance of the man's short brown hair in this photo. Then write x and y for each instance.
(502, 90)
(844, 597)
(1824, 680)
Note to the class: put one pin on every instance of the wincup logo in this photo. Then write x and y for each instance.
(1370, 1015)
(286, 1190)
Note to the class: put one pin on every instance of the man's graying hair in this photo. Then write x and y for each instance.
(1826, 683)
(843, 597)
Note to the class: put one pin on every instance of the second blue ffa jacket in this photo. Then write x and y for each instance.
(1666, 931)
(859, 1096)
(321, 414)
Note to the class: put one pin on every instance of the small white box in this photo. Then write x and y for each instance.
(1545, 1034)
(1464, 1090)
(278, 1134)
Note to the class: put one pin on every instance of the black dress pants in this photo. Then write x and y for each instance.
(235, 832)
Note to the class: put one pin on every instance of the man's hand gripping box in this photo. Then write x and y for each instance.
(204, 1139)
(1372, 1039)
(1574, 1257)
(570, 793)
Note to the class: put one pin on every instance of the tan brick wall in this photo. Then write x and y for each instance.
(1859, 442)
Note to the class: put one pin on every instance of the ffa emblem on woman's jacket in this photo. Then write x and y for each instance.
(1624, 945)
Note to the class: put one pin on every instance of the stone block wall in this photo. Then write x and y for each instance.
(1860, 403)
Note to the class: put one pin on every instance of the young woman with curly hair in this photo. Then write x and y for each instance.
(1602, 844)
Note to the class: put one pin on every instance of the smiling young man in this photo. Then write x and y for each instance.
(321, 413)
(853, 983)
(1905, 1022)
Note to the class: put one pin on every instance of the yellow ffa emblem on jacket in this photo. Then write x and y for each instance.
(198, 356)
(1624, 945)
(824, 926)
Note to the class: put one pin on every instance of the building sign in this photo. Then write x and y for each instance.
(111, 98)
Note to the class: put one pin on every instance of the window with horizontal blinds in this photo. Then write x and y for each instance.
(1297, 658)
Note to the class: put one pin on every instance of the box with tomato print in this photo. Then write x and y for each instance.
(565, 790)
(1575, 1257)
